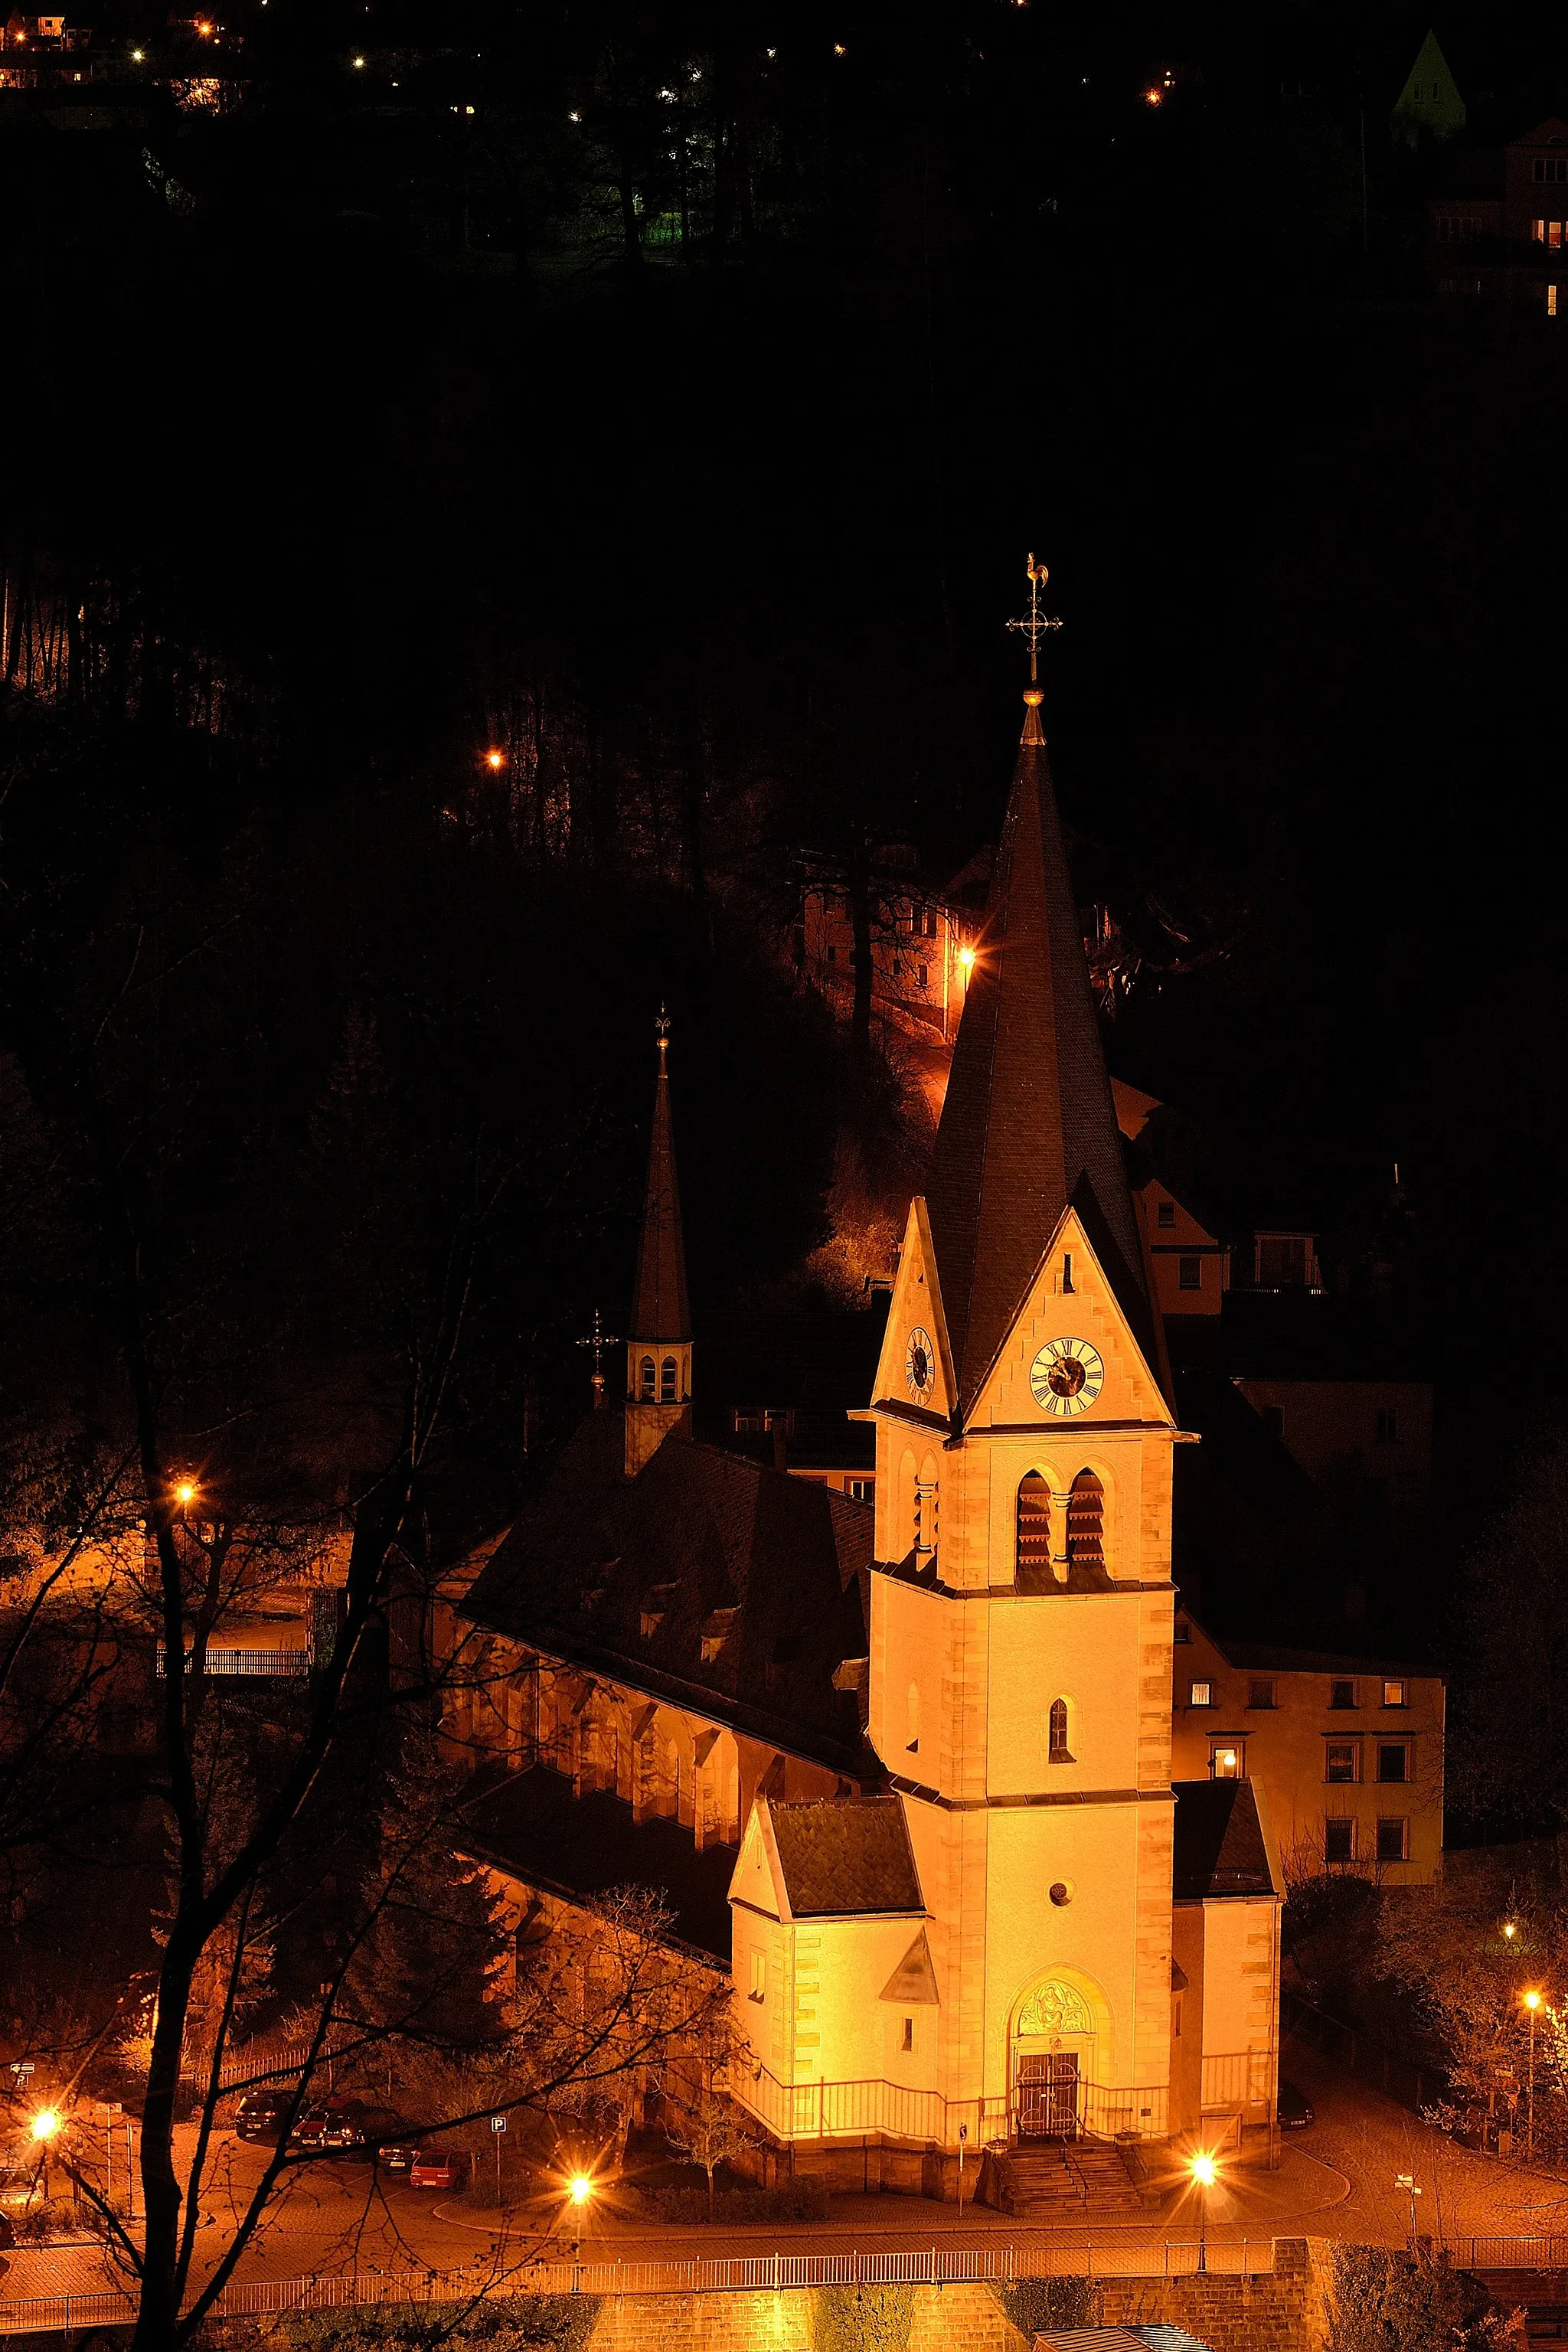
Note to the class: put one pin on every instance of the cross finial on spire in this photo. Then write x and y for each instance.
(661, 1031)
(1035, 623)
(598, 1339)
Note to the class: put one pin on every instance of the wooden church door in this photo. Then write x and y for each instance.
(1047, 2095)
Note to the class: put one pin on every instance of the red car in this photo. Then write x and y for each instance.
(440, 2167)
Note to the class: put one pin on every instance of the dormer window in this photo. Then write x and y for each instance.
(1166, 1215)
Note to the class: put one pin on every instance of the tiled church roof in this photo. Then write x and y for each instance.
(701, 1548)
(1028, 1124)
(1219, 1847)
(846, 1856)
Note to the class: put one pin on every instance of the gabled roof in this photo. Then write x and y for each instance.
(700, 1543)
(660, 1309)
(1219, 1843)
(846, 1857)
(1027, 1127)
(1552, 132)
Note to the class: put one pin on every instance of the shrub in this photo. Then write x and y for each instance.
(1383, 2302)
(542, 2322)
(861, 2318)
(1034, 2305)
(792, 2200)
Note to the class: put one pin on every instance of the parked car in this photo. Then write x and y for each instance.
(399, 2155)
(263, 2114)
(1296, 2109)
(440, 2167)
(360, 2132)
(311, 2131)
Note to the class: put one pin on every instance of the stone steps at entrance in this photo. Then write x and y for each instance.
(1040, 2177)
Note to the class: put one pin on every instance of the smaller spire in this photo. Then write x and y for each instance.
(659, 1307)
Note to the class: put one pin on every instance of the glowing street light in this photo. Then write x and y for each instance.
(580, 2187)
(47, 2124)
(1154, 96)
(1510, 1930)
(1204, 2172)
(186, 1492)
(966, 958)
(495, 761)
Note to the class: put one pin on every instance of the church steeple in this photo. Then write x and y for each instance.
(659, 1336)
(1029, 1126)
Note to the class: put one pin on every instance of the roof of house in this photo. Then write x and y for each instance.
(1219, 1844)
(1027, 1126)
(532, 1826)
(846, 1857)
(661, 1309)
(1262, 1657)
(701, 1546)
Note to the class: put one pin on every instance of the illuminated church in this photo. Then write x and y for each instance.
(904, 1770)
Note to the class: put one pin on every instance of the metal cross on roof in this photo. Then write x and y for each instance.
(1035, 623)
(598, 1339)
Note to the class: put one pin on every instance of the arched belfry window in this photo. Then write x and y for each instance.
(666, 1381)
(1086, 1522)
(1034, 1530)
(1057, 1751)
(645, 1376)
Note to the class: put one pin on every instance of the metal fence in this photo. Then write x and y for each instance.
(247, 1661)
(1064, 2256)
(854, 2110)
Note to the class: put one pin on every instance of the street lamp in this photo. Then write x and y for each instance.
(46, 2124)
(1531, 2003)
(1204, 2172)
(579, 2189)
(1407, 2180)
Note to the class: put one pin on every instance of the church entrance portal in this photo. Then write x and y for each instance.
(1046, 2096)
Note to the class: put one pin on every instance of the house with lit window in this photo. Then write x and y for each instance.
(920, 942)
(1500, 226)
(1349, 1750)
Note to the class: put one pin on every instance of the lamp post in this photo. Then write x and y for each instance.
(1204, 2172)
(579, 2188)
(1407, 2180)
(1531, 2003)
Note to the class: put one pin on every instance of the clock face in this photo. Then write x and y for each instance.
(1067, 1376)
(920, 1365)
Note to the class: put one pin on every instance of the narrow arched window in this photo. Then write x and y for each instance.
(645, 1375)
(1034, 1527)
(913, 1719)
(666, 1381)
(1057, 1751)
(1086, 1522)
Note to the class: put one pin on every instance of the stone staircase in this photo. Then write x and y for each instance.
(1041, 2178)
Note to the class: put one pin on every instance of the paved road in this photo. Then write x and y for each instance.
(1336, 2178)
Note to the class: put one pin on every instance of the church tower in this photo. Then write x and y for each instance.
(1021, 1631)
(659, 1336)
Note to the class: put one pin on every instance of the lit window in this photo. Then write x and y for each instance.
(1224, 1761)
(1342, 1694)
(1394, 1692)
(1393, 1760)
(1058, 1751)
(1203, 1694)
(1261, 1694)
(1392, 1841)
(759, 1977)
(1167, 1215)
(1552, 301)
(666, 1381)
(1339, 1841)
(1538, 231)
(1189, 1274)
(1341, 1759)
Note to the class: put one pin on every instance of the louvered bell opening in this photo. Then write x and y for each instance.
(1086, 1521)
(1034, 1524)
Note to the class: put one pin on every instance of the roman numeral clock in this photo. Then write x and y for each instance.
(1065, 1377)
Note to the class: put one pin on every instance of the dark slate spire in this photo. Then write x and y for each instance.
(1028, 1124)
(660, 1310)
